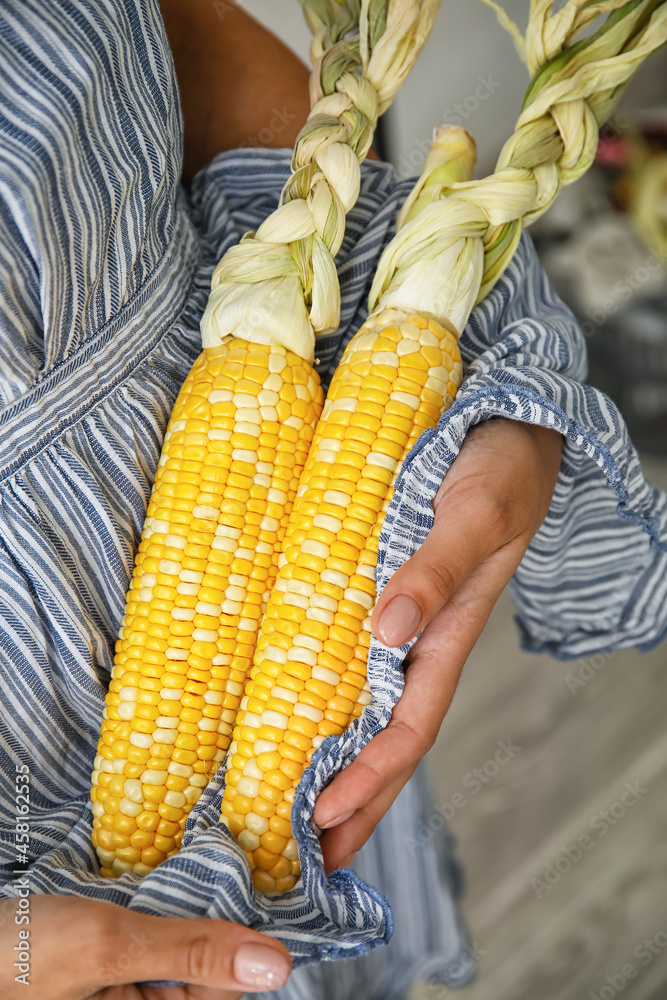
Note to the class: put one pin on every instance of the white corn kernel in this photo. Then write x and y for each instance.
(208, 725)
(326, 675)
(248, 841)
(285, 695)
(320, 615)
(359, 597)
(176, 654)
(327, 522)
(169, 566)
(183, 614)
(322, 601)
(243, 399)
(206, 512)
(130, 808)
(298, 654)
(256, 824)
(180, 770)
(142, 740)
(276, 654)
(337, 498)
(231, 608)
(269, 397)
(274, 719)
(175, 799)
(165, 736)
(170, 694)
(309, 642)
(175, 541)
(291, 851)
(296, 601)
(384, 358)
(132, 790)
(167, 722)
(251, 770)
(219, 434)
(334, 577)
(150, 777)
(199, 780)
(308, 712)
(224, 531)
(248, 787)
(273, 383)
(204, 634)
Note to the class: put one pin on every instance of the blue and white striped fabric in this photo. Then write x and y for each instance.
(104, 270)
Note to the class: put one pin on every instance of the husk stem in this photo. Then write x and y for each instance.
(475, 225)
(279, 284)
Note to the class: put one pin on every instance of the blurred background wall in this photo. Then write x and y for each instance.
(467, 53)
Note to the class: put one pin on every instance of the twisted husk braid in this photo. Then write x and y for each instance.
(279, 284)
(576, 84)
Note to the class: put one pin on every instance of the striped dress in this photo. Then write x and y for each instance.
(105, 264)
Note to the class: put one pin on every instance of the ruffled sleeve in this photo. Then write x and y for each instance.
(595, 575)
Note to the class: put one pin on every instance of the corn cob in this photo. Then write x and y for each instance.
(235, 446)
(309, 676)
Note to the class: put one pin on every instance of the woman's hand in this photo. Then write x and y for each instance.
(491, 503)
(83, 948)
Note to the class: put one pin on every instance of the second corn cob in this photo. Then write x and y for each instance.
(308, 681)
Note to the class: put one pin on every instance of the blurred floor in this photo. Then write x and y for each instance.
(564, 841)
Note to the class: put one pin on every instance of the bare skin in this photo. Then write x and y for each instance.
(81, 948)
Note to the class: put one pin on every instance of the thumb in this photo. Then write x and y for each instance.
(200, 952)
(79, 946)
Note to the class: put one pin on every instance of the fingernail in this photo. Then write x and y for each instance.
(398, 621)
(257, 965)
(337, 820)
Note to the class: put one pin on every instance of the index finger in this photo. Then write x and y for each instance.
(435, 664)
